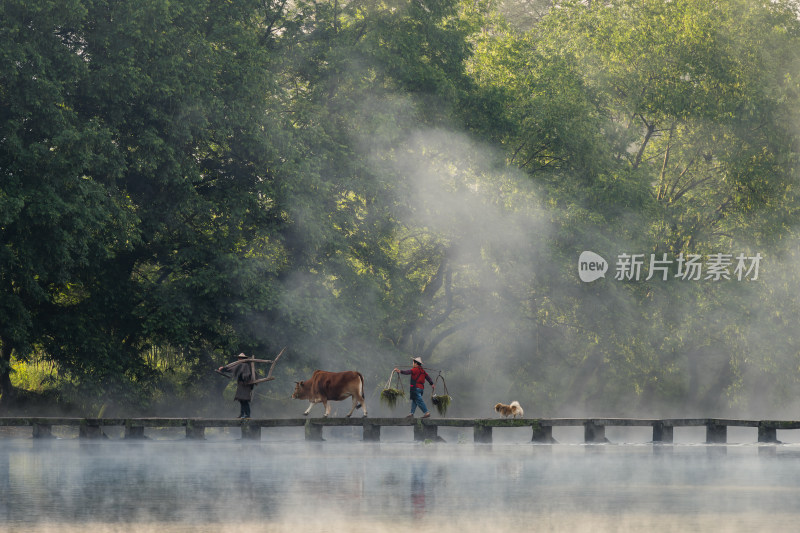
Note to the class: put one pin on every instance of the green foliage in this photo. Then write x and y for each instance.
(181, 181)
(33, 377)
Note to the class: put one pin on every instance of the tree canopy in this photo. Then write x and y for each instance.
(364, 182)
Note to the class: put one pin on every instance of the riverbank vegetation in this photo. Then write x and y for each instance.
(363, 182)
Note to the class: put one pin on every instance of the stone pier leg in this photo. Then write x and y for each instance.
(42, 431)
(424, 432)
(90, 431)
(313, 431)
(543, 434)
(250, 432)
(372, 432)
(482, 434)
(662, 433)
(716, 434)
(592, 433)
(134, 432)
(195, 432)
(767, 434)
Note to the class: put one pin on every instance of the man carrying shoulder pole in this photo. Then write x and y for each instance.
(418, 378)
(244, 388)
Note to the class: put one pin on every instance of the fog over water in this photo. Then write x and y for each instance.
(287, 484)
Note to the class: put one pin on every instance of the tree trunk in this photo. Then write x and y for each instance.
(7, 391)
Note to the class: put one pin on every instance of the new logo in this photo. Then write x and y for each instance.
(591, 266)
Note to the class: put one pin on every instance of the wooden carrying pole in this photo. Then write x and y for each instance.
(253, 362)
(269, 374)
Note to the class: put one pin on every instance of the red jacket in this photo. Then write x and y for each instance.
(418, 377)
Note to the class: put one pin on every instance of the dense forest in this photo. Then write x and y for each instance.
(366, 181)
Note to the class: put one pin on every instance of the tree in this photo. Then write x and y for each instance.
(58, 217)
(657, 127)
(140, 174)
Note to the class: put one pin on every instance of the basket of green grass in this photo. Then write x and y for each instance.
(390, 394)
(441, 401)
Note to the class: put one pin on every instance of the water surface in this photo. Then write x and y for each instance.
(67, 485)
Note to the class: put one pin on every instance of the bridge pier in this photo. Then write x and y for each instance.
(313, 431)
(767, 434)
(543, 434)
(716, 433)
(133, 432)
(372, 432)
(195, 431)
(662, 433)
(482, 434)
(90, 430)
(250, 432)
(42, 431)
(423, 432)
(594, 433)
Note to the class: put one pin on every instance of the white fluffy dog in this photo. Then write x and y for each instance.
(513, 409)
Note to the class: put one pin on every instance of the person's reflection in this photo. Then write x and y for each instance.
(418, 490)
(245, 491)
(5, 469)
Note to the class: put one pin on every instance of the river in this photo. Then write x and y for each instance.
(345, 485)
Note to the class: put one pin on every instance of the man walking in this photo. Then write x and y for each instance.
(418, 379)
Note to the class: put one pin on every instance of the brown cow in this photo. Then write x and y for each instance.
(331, 386)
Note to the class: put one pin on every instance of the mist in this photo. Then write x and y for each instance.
(513, 321)
(483, 279)
(494, 331)
(286, 485)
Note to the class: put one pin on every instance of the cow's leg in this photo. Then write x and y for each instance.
(355, 404)
(363, 405)
(310, 405)
(358, 400)
(327, 408)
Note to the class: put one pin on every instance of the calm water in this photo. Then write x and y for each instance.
(229, 485)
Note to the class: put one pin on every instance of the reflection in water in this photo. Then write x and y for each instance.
(418, 490)
(71, 486)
